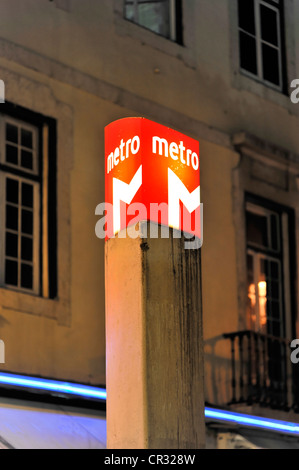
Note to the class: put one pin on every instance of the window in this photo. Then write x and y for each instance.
(261, 35)
(163, 17)
(24, 204)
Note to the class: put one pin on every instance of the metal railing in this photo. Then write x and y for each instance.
(262, 372)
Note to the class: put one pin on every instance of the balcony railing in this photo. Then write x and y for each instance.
(262, 372)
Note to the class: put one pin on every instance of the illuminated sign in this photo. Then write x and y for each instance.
(151, 173)
(2, 92)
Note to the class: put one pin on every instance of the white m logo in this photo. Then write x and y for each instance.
(124, 192)
(177, 192)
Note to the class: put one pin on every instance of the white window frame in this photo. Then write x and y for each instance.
(4, 174)
(172, 18)
(260, 42)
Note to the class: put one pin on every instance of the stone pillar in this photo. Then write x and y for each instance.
(154, 344)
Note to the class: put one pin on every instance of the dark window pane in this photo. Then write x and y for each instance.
(129, 12)
(270, 64)
(11, 133)
(273, 290)
(276, 329)
(11, 217)
(27, 222)
(12, 190)
(11, 245)
(26, 249)
(27, 195)
(153, 15)
(26, 159)
(26, 276)
(276, 366)
(256, 226)
(246, 15)
(248, 53)
(264, 267)
(11, 154)
(26, 138)
(274, 270)
(269, 25)
(11, 272)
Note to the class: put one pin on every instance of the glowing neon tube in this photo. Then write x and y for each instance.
(87, 391)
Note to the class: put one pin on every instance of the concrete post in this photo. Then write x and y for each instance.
(155, 393)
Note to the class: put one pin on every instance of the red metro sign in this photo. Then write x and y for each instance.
(151, 173)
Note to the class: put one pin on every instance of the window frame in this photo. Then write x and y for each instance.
(43, 178)
(279, 9)
(35, 235)
(175, 21)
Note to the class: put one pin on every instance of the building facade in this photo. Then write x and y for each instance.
(219, 71)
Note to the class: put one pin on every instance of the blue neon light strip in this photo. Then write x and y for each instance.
(100, 393)
(53, 386)
(255, 421)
